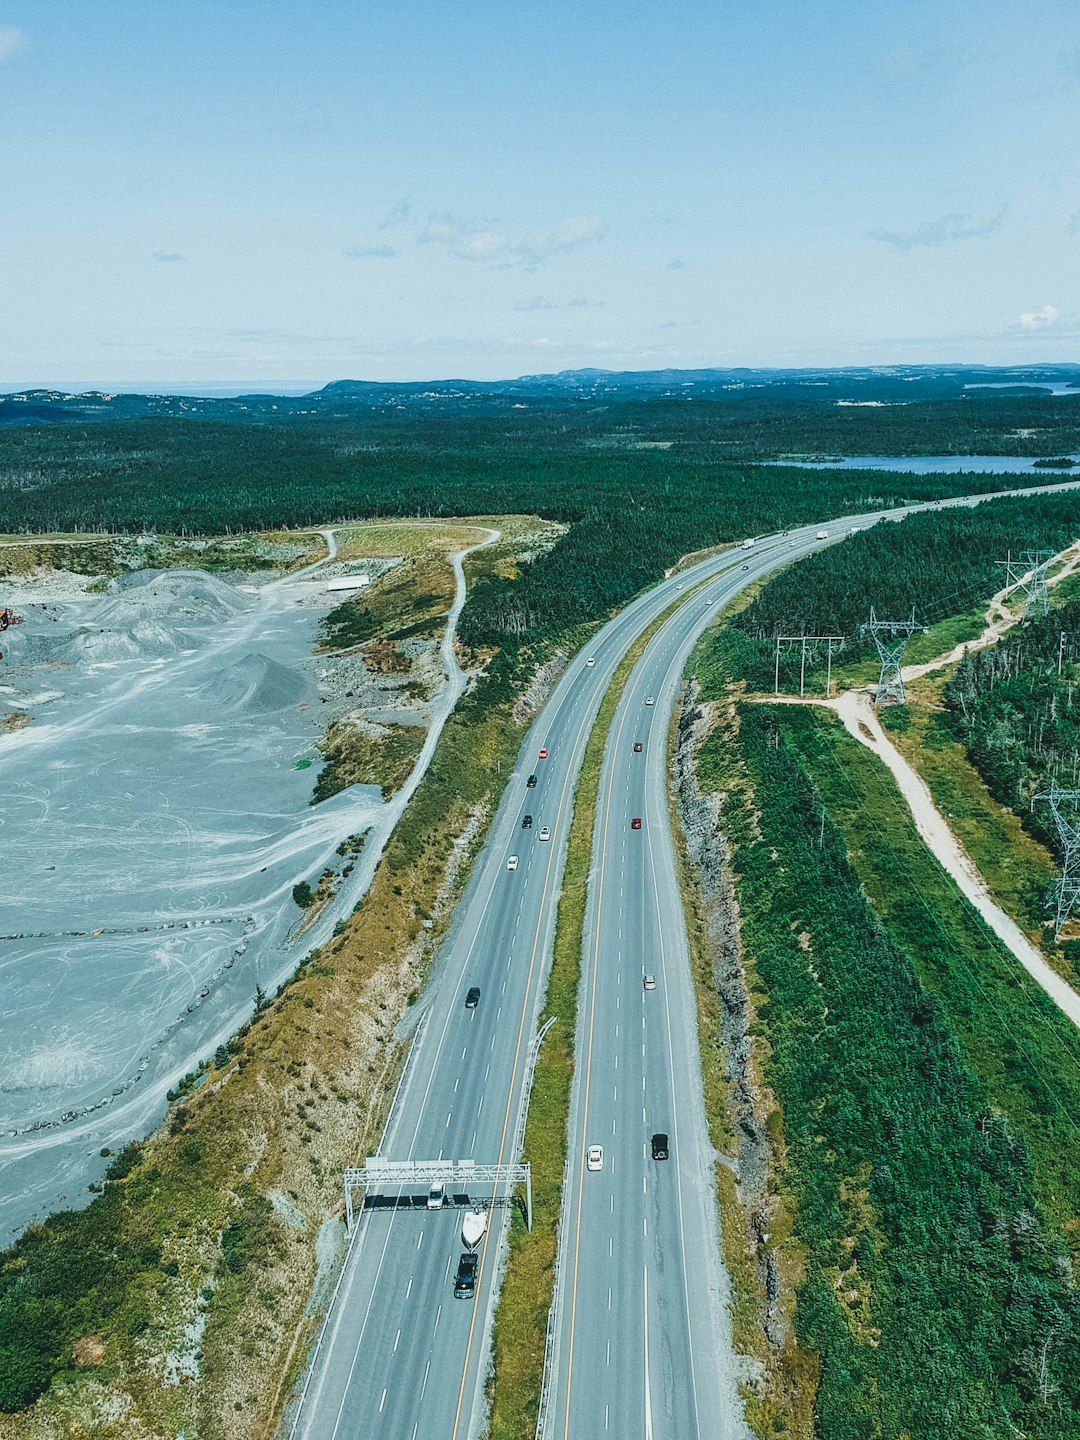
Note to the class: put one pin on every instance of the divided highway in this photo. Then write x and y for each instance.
(641, 1325)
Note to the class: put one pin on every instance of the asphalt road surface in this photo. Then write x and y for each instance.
(641, 1325)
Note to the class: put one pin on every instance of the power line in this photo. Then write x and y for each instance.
(890, 638)
(1064, 892)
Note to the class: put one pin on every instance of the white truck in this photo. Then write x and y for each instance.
(748, 544)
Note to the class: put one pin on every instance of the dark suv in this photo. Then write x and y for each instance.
(465, 1279)
(526, 822)
(659, 1146)
(472, 997)
(531, 782)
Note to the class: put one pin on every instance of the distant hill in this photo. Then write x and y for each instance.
(888, 384)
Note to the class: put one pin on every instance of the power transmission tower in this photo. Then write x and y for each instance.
(1065, 890)
(891, 638)
(1028, 573)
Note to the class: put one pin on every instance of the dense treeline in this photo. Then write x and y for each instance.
(939, 1301)
(939, 564)
(632, 512)
(1018, 716)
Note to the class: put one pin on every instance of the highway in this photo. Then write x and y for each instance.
(640, 1338)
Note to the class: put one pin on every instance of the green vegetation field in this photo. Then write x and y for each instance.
(930, 1098)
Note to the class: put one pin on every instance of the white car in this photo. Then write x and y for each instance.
(709, 601)
(590, 662)
(512, 862)
(545, 833)
(437, 1197)
(594, 1157)
(650, 982)
(650, 700)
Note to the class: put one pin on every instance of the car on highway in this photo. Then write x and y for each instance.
(545, 833)
(822, 535)
(650, 982)
(437, 1197)
(512, 862)
(543, 752)
(531, 782)
(590, 662)
(746, 567)
(594, 1157)
(650, 699)
(465, 1279)
(635, 823)
(526, 822)
(659, 1146)
(709, 601)
(472, 997)
(637, 747)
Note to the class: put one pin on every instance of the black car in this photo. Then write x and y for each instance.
(659, 1146)
(465, 1279)
(526, 822)
(531, 782)
(472, 999)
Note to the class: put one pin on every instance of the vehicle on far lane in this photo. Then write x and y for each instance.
(465, 1279)
(437, 1197)
(591, 661)
(526, 822)
(659, 1146)
(512, 862)
(650, 982)
(594, 1157)
(650, 700)
(531, 782)
(545, 833)
(543, 752)
(472, 999)
(637, 747)
(635, 823)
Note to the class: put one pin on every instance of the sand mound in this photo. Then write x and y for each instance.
(253, 685)
(148, 640)
(173, 596)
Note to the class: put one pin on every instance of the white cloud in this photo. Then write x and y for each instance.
(400, 214)
(942, 231)
(541, 244)
(470, 242)
(370, 252)
(12, 40)
(1039, 319)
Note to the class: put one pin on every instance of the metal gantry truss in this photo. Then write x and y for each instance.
(805, 640)
(1064, 892)
(1028, 573)
(891, 638)
(377, 1174)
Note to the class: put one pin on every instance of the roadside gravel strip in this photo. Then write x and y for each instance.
(420, 1366)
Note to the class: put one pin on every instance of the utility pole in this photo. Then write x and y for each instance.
(802, 641)
(1061, 651)
(890, 638)
(1064, 892)
(1028, 574)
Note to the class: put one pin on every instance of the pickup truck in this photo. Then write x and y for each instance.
(465, 1279)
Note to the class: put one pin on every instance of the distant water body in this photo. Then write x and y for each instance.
(937, 465)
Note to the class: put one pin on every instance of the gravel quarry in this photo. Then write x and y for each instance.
(154, 823)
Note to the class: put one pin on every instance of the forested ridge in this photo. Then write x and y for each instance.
(938, 564)
(632, 512)
(1014, 705)
(937, 1296)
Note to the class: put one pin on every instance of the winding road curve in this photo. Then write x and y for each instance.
(640, 1337)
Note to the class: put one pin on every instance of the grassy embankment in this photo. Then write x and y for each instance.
(199, 1256)
(396, 624)
(925, 1092)
(528, 1285)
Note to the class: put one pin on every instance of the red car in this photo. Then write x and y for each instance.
(637, 747)
(543, 752)
(635, 824)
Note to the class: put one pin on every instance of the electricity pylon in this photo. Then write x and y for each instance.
(1028, 573)
(891, 638)
(1064, 892)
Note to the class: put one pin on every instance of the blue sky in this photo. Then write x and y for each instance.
(269, 193)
